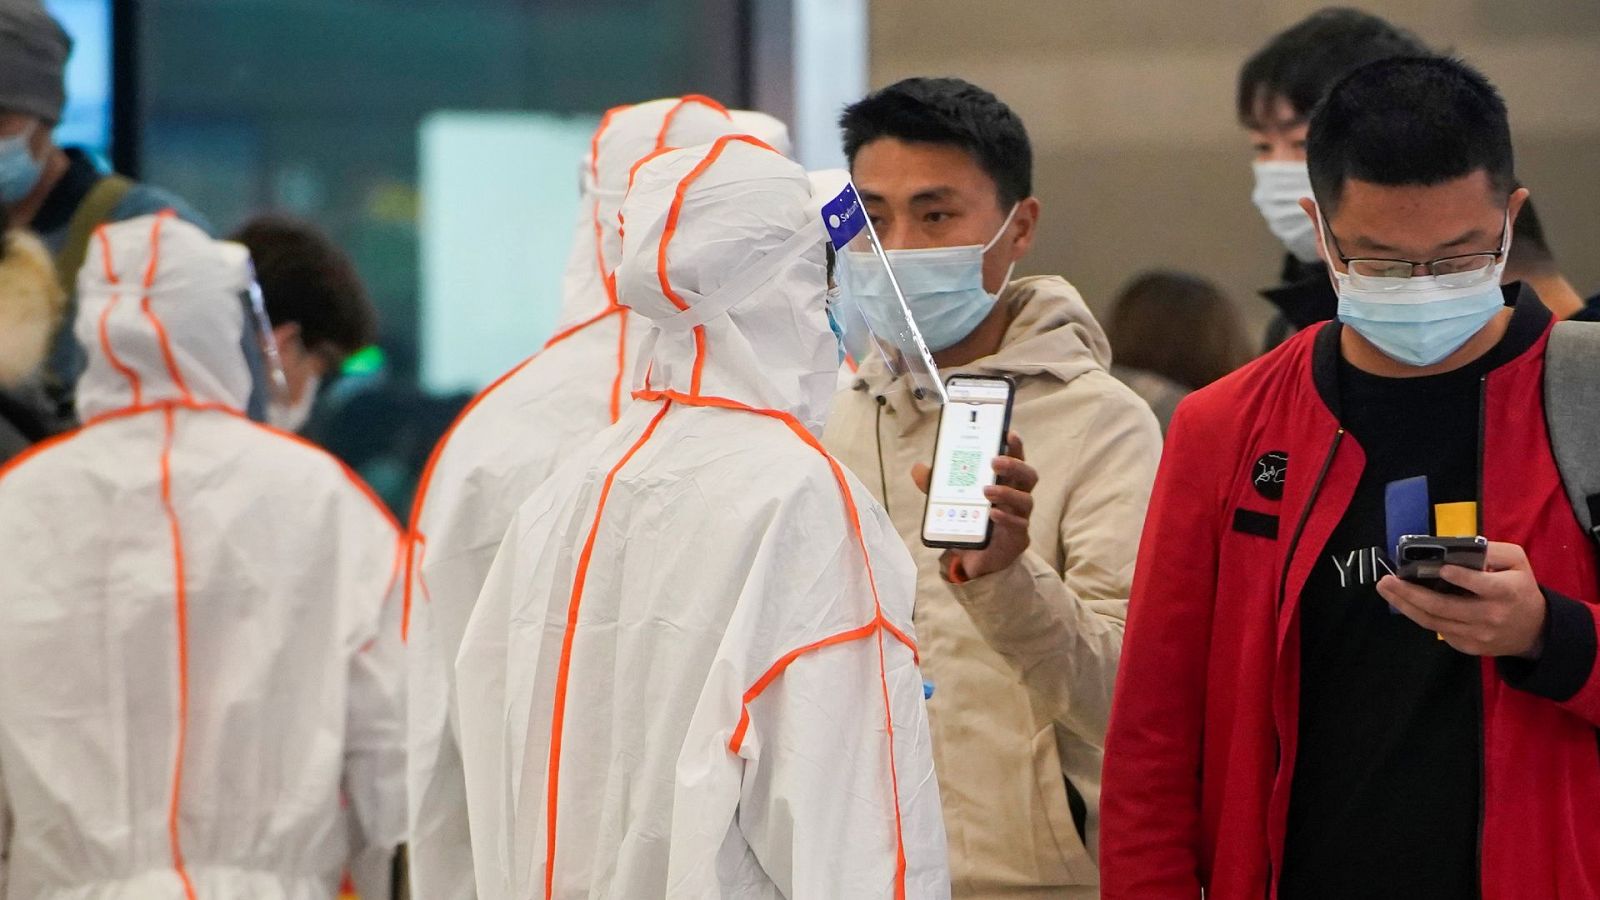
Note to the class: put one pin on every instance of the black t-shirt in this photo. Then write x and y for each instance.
(1387, 780)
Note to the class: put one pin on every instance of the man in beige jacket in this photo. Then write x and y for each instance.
(1020, 641)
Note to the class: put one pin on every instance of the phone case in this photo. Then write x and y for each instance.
(1005, 429)
(1468, 553)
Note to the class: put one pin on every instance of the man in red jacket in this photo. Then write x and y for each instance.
(1292, 720)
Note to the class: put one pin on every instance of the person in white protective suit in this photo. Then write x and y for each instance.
(503, 445)
(690, 673)
(198, 697)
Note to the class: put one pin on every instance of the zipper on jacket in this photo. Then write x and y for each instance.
(1483, 725)
(1283, 589)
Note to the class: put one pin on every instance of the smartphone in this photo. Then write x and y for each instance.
(972, 432)
(1421, 556)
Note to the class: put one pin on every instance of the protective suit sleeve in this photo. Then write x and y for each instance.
(819, 806)
(5, 831)
(454, 546)
(374, 761)
(481, 699)
(1062, 631)
(1150, 793)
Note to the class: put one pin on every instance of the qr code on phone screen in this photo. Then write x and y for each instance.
(964, 468)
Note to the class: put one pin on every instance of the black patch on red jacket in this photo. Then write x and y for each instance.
(1248, 521)
(1268, 474)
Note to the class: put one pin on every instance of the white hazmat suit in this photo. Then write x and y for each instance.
(197, 696)
(690, 672)
(503, 445)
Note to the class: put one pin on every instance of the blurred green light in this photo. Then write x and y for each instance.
(366, 361)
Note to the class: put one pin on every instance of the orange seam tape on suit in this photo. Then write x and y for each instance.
(149, 314)
(558, 712)
(414, 535)
(105, 338)
(876, 627)
(426, 481)
(181, 608)
(685, 100)
(671, 228)
(180, 589)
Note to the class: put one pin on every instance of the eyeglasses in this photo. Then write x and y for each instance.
(1460, 270)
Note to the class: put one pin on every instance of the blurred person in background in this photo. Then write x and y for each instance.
(32, 305)
(317, 304)
(1532, 262)
(198, 695)
(1020, 640)
(57, 192)
(508, 441)
(727, 702)
(1278, 88)
(1172, 333)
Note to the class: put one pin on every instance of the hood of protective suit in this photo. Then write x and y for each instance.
(724, 254)
(160, 317)
(627, 134)
(31, 304)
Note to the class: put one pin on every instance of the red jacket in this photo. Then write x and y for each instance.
(1201, 751)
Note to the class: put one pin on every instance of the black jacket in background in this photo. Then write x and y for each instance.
(1304, 298)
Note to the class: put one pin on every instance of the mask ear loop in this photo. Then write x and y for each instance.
(1003, 226)
(996, 239)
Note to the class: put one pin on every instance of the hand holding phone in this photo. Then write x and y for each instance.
(1499, 608)
(972, 433)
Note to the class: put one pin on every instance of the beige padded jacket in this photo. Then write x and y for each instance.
(1022, 661)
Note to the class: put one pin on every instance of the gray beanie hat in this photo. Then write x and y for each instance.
(33, 60)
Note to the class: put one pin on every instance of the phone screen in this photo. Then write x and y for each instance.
(972, 429)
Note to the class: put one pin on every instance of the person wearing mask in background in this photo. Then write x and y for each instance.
(1279, 731)
(505, 444)
(1172, 333)
(317, 304)
(31, 307)
(1020, 642)
(58, 193)
(197, 697)
(726, 703)
(1278, 88)
(1532, 262)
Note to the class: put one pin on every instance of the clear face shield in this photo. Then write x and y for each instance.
(871, 312)
(258, 332)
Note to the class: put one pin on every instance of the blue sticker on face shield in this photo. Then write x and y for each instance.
(844, 217)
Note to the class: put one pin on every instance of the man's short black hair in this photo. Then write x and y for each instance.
(307, 279)
(1409, 122)
(947, 111)
(1301, 63)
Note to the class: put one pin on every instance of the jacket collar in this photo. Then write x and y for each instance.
(1529, 320)
(1305, 296)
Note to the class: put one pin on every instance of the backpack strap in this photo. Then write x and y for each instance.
(1572, 411)
(96, 208)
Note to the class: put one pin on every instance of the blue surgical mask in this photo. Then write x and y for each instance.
(19, 171)
(1421, 320)
(943, 287)
(1279, 189)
